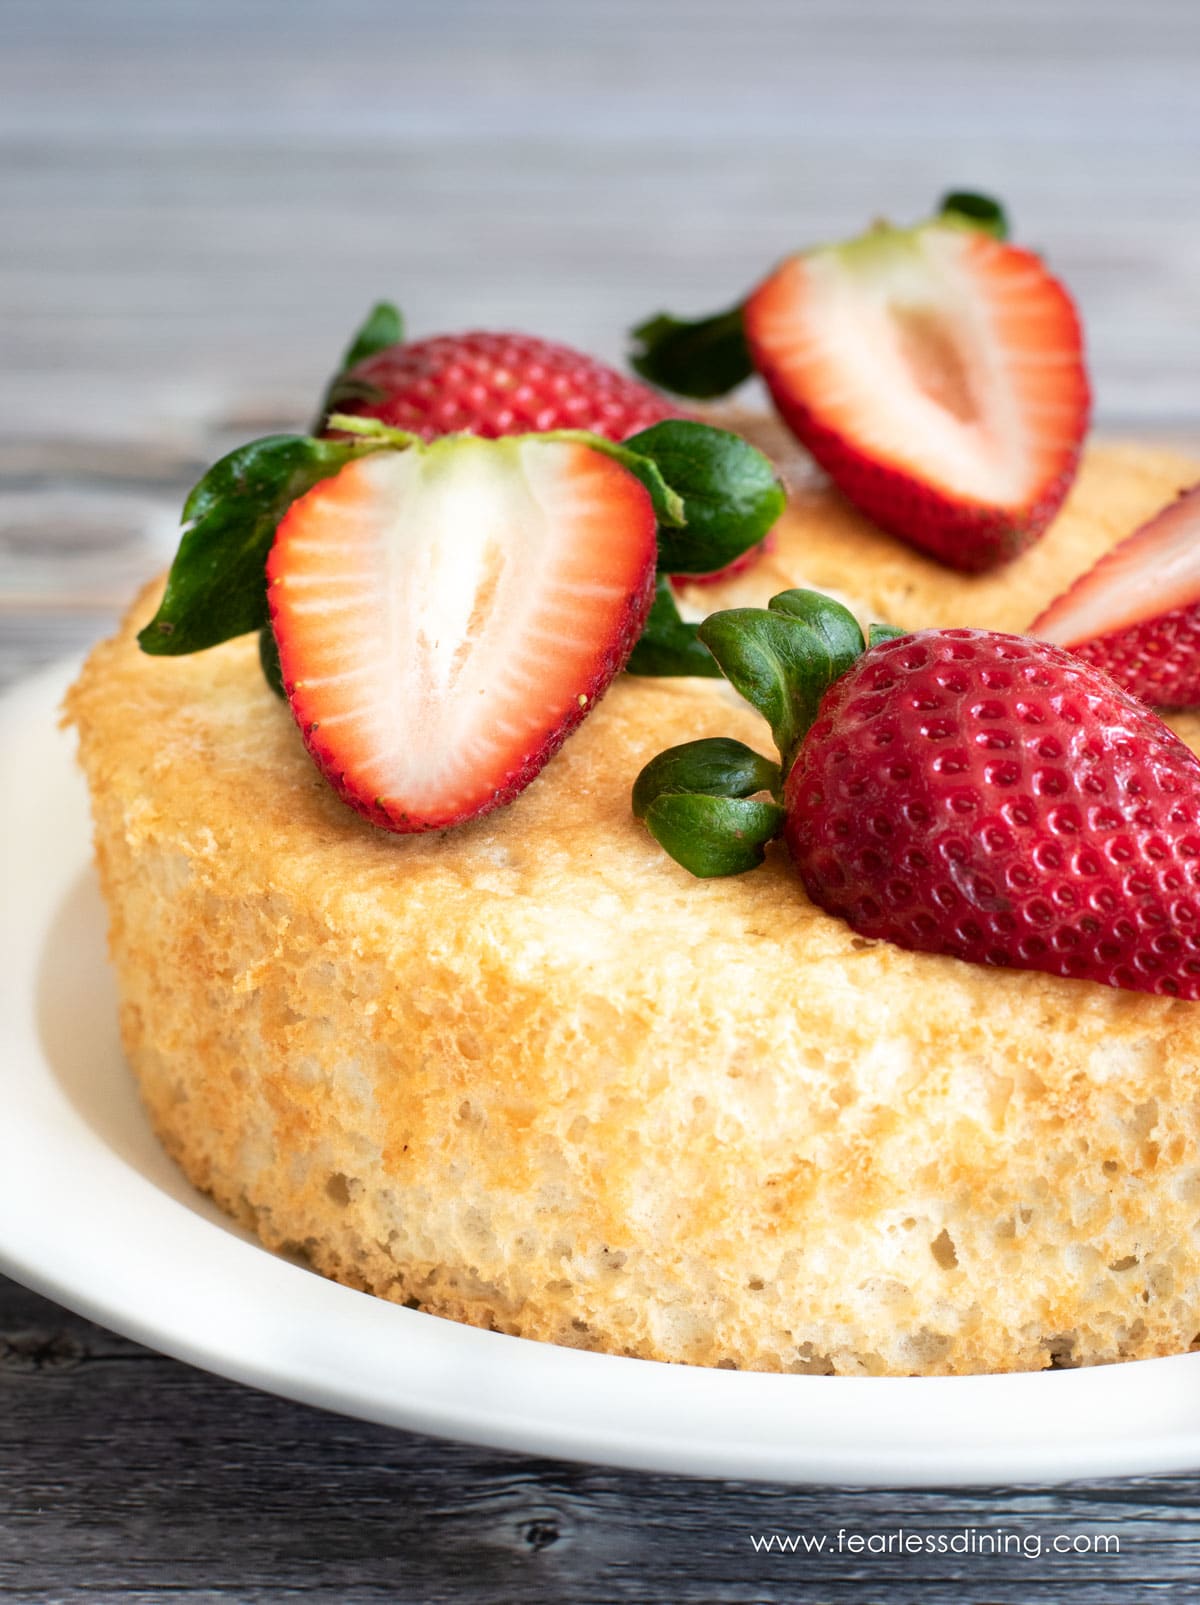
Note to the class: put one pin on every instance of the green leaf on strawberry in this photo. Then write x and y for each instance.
(782, 659)
(382, 327)
(698, 802)
(669, 645)
(731, 494)
(711, 836)
(835, 627)
(703, 358)
(716, 766)
(217, 585)
(878, 633)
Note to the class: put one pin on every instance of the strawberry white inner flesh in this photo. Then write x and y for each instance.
(1153, 571)
(937, 350)
(440, 611)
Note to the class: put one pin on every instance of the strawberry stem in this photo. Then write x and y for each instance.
(975, 211)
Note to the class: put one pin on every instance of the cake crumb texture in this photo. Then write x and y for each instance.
(531, 1075)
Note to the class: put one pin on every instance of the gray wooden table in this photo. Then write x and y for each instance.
(197, 201)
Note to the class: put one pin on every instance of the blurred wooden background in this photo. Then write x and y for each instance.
(197, 203)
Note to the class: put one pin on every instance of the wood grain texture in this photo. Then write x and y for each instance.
(197, 201)
(127, 1476)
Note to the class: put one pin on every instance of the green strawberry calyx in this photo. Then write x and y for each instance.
(703, 801)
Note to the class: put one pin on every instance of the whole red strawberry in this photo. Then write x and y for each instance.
(986, 796)
(498, 384)
(993, 798)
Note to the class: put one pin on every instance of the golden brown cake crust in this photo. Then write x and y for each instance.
(532, 1075)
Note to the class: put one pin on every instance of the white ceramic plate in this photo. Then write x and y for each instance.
(93, 1214)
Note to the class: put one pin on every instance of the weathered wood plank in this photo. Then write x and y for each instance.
(29, 642)
(125, 1475)
(464, 70)
(215, 281)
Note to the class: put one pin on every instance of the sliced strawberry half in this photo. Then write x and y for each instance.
(937, 374)
(1136, 613)
(446, 615)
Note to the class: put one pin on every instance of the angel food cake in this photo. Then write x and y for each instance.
(505, 1059)
(533, 1076)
